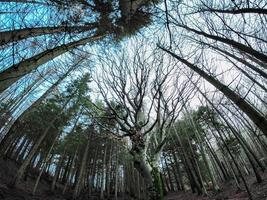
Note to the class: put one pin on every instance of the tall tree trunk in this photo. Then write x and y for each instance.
(190, 172)
(22, 154)
(227, 149)
(20, 34)
(168, 173)
(8, 138)
(36, 146)
(103, 177)
(43, 167)
(236, 164)
(117, 173)
(70, 170)
(149, 172)
(20, 148)
(24, 1)
(218, 162)
(109, 171)
(41, 98)
(202, 150)
(31, 154)
(239, 46)
(248, 151)
(236, 11)
(94, 171)
(15, 72)
(58, 168)
(253, 114)
(81, 170)
(227, 54)
(180, 178)
(195, 166)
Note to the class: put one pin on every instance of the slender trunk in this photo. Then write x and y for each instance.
(58, 168)
(81, 170)
(165, 183)
(92, 181)
(17, 71)
(168, 173)
(103, 178)
(236, 11)
(248, 151)
(241, 60)
(66, 170)
(138, 185)
(117, 173)
(17, 102)
(186, 161)
(239, 46)
(38, 101)
(24, 1)
(20, 148)
(43, 167)
(36, 146)
(70, 170)
(8, 138)
(228, 150)
(236, 165)
(40, 160)
(20, 34)
(31, 154)
(195, 165)
(218, 162)
(176, 177)
(12, 148)
(109, 172)
(22, 154)
(202, 150)
(180, 178)
(253, 114)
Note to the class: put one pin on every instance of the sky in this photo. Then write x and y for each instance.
(39, 15)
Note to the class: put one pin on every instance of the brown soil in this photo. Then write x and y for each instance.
(23, 191)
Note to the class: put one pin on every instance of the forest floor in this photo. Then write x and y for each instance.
(23, 191)
(228, 192)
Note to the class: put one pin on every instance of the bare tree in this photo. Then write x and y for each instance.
(143, 92)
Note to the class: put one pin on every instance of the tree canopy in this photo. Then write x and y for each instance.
(134, 99)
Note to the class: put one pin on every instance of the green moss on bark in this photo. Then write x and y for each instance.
(157, 184)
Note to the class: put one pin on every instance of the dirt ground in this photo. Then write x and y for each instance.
(23, 191)
(229, 192)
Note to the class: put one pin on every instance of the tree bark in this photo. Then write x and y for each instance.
(103, 177)
(43, 167)
(202, 150)
(117, 174)
(235, 11)
(253, 114)
(58, 168)
(70, 170)
(36, 146)
(149, 172)
(241, 60)
(20, 34)
(17, 71)
(244, 48)
(81, 170)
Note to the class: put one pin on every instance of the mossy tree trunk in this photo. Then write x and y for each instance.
(148, 168)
